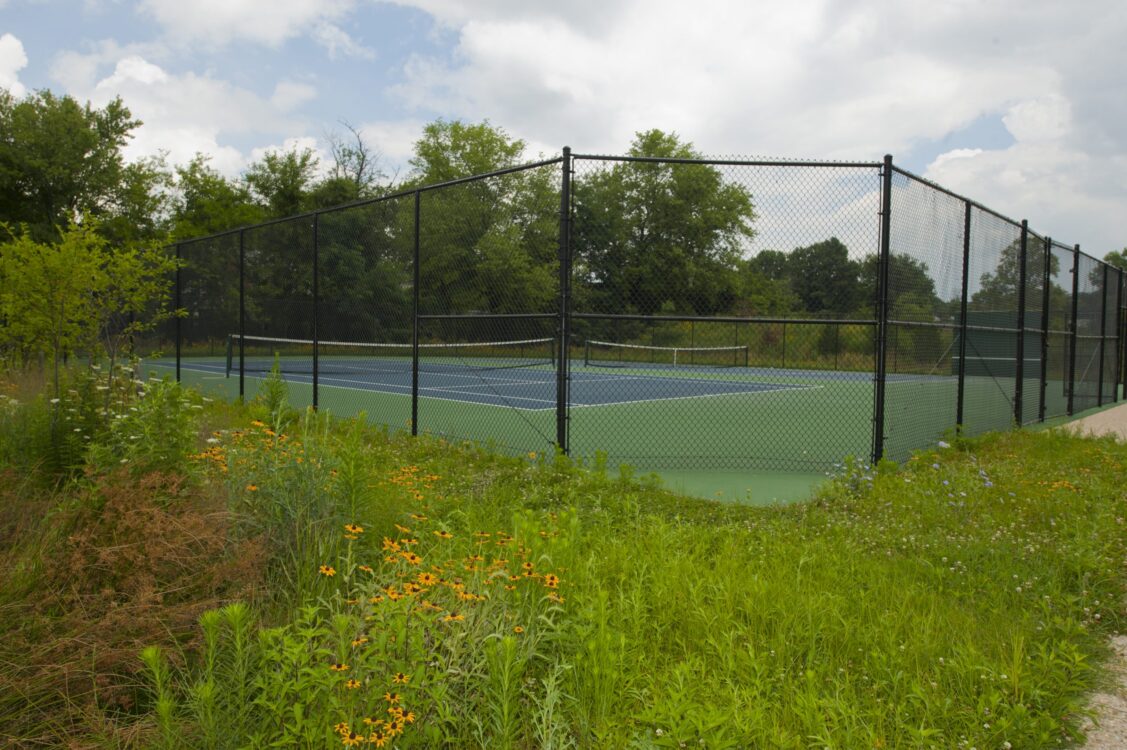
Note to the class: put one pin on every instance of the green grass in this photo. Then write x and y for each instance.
(962, 600)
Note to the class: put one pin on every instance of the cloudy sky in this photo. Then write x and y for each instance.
(1018, 104)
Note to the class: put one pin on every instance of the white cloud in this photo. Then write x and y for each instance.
(844, 79)
(289, 95)
(185, 114)
(215, 23)
(13, 59)
(338, 43)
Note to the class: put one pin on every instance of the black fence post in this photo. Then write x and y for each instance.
(415, 320)
(1073, 329)
(564, 359)
(1019, 380)
(1103, 340)
(242, 314)
(959, 399)
(882, 309)
(176, 308)
(316, 314)
(1046, 285)
(1120, 336)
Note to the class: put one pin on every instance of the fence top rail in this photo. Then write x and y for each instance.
(946, 191)
(370, 201)
(731, 162)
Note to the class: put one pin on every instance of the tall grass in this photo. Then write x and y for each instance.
(429, 595)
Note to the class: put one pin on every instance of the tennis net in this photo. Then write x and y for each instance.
(611, 354)
(259, 353)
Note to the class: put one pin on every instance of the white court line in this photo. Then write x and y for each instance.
(701, 395)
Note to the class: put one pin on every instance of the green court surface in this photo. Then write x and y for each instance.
(759, 446)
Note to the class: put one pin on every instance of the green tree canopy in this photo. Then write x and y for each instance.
(825, 279)
(60, 160)
(659, 236)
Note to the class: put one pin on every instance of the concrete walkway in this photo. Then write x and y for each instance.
(1111, 421)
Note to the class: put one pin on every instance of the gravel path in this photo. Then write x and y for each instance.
(1110, 732)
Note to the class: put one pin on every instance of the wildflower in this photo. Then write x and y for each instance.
(327, 570)
(351, 537)
(391, 698)
(365, 568)
(411, 588)
(341, 728)
(443, 534)
(394, 727)
(554, 597)
(402, 529)
(338, 667)
(351, 739)
(400, 678)
(412, 558)
(426, 579)
(352, 528)
(252, 488)
(375, 600)
(352, 684)
(389, 545)
(453, 617)
(551, 580)
(418, 517)
(518, 630)
(351, 601)
(360, 641)
(532, 455)
(527, 565)
(378, 739)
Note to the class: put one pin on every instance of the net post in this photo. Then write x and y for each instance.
(882, 309)
(229, 353)
(1019, 379)
(242, 314)
(564, 326)
(1047, 280)
(415, 320)
(1073, 329)
(316, 313)
(1103, 334)
(960, 398)
(176, 306)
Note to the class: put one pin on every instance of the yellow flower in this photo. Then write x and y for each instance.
(453, 617)
(412, 558)
(554, 597)
(360, 641)
(443, 534)
(426, 579)
(341, 728)
(518, 630)
(351, 739)
(352, 684)
(400, 678)
(551, 580)
(327, 570)
(352, 528)
(392, 698)
(389, 545)
(378, 739)
(252, 488)
(375, 600)
(402, 529)
(365, 568)
(418, 517)
(338, 667)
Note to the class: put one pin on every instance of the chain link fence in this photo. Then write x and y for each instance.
(664, 313)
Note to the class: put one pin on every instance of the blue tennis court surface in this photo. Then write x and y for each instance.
(532, 389)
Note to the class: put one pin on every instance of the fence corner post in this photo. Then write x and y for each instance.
(1073, 329)
(564, 322)
(882, 309)
(1019, 375)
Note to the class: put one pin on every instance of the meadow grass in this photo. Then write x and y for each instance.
(414, 593)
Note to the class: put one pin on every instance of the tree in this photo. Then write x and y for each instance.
(280, 181)
(659, 236)
(911, 288)
(60, 160)
(354, 175)
(1117, 258)
(205, 202)
(78, 295)
(826, 281)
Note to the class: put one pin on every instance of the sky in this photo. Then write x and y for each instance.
(1018, 104)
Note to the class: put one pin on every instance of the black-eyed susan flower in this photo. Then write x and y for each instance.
(338, 667)
(402, 529)
(352, 528)
(554, 597)
(400, 678)
(518, 630)
(378, 739)
(351, 739)
(394, 727)
(365, 568)
(412, 558)
(410, 588)
(551, 580)
(418, 517)
(327, 570)
(443, 534)
(527, 565)
(426, 579)
(352, 684)
(453, 617)
(408, 718)
(391, 698)
(252, 488)
(390, 545)
(341, 728)
(359, 641)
